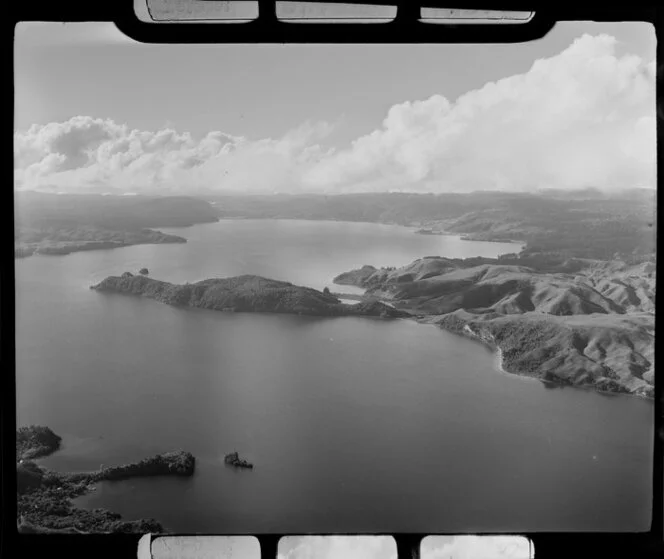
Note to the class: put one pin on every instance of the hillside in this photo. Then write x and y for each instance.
(60, 224)
(244, 294)
(439, 285)
(593, 326)
(582, 228)
(608, 353)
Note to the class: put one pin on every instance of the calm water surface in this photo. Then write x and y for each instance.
(354, 424)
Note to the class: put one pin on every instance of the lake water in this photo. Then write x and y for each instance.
(354, 424)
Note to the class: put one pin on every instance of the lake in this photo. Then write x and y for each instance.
(353, 424)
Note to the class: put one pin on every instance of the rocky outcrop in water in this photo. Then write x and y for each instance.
(233, 459)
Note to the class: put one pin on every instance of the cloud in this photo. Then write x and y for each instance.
(582, 118)
(84, 151)
(337, 547)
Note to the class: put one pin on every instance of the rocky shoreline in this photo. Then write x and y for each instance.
(233, 459)
(44, 496)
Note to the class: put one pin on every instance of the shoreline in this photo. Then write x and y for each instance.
(416, 229)
(465, 236)
(469, 334)
(22, 252)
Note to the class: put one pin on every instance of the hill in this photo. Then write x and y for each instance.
(609, 354)
(590, 324)
(439, 285)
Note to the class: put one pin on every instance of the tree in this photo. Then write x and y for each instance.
(326, 291)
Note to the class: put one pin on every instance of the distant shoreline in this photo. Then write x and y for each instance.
(416, 229)
(467, 237)
(70, 248)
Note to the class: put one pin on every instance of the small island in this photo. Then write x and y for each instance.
(44, 496)
(233, 459)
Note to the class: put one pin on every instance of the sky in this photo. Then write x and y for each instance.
(97, 112)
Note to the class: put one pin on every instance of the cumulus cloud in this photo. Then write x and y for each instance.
(582, 118)
(86, 152)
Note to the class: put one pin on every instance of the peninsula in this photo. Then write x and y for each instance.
(245, 293)
(233, 459)
(44, 496)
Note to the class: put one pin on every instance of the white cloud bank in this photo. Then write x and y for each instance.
(582, 118)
